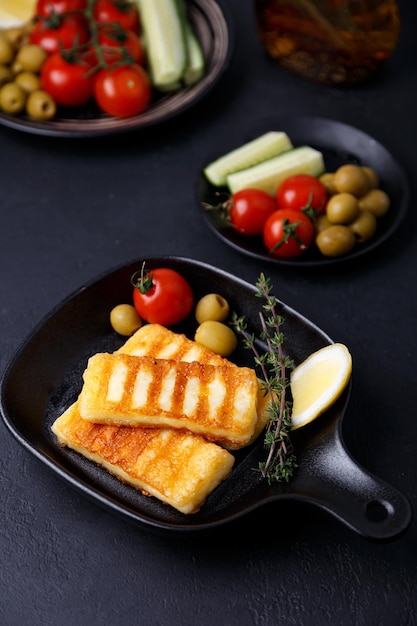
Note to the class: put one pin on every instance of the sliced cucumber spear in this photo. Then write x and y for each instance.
(269, 174)
(163, 32)
(195, 68)
(260, 149)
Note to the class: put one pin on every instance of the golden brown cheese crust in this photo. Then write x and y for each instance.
(179, 468)
(218, 402)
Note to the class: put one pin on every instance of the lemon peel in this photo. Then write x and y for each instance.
(318, 381)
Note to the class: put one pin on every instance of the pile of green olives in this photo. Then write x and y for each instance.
(355, 204)
(20, 86)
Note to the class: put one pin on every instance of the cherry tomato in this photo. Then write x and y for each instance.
(116, 43)
(67, 81)
(302, 191)
(122, 91)
(46, 7)
(117, 11)
(249, 209)
(162, 296)
(59, 32)
(288, 233)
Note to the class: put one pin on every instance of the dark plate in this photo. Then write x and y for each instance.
(213, 31)
(44, 378)
(339, 143)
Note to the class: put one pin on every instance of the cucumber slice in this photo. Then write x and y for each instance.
(269, 174)
(163, 32)
(264, 147)
(196, 65)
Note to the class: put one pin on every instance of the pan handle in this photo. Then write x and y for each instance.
(360, 500)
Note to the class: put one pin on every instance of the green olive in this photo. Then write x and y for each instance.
(6, 50)
(12, 98)
(125, 319)
(342, 208)
(336, 240)
(6, 75)
(328, 180)
(352, 179)
(29, 57)
(212, 307)
(376, 201)
(217, 337)
(322, 222)
(16, 35)
(29, 81)
(40, 105)
(373, 177)
(363, 226)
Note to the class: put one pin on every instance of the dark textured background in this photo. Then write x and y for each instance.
(73, 209)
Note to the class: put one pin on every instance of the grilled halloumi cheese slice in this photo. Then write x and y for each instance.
(179, 468)
(162, 343)
(218, 402)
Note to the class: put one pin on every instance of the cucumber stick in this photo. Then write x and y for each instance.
(269, 174)
(195, 68)
(163, 32)
(260, 149)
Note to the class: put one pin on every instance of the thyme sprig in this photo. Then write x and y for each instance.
(273, 364)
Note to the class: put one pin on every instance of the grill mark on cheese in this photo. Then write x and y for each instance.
(222, 405)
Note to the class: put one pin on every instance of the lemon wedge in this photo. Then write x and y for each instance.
(15, 13)
(318, 381)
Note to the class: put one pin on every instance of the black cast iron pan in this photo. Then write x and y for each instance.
(44, 378)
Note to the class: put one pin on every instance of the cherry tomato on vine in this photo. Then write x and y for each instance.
(117, 11)
(66, 80)
(302, 191)
(288, 233)
(59, 32)
(249, 209)
(162, 296)
(117, 42)
(46, 7)
(122, 91)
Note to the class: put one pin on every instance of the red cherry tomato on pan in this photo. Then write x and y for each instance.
(122, 91)
(46, 7)
(67, 82)
(162, 296)
(301, 191)
(117, 11)
(249, 209)
(288, 233)
(54, 34)
(117, 42)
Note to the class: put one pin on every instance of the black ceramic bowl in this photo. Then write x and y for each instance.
(339, 144)
(213, 30)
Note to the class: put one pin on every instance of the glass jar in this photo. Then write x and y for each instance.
(333, 42)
